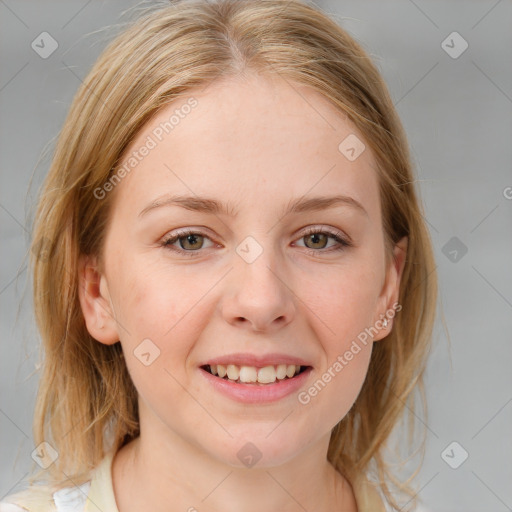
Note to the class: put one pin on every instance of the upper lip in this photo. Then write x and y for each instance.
(245, 359)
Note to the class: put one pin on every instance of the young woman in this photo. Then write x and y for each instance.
(238, 292)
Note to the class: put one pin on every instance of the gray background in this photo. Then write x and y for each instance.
(457, 113)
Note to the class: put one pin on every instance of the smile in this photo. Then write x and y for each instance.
(253, 375)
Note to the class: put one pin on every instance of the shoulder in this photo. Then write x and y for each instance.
(9, 507)
(369, 498)
(96, 493)
(42, 498)
(367, 494)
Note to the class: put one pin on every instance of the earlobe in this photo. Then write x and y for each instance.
(388, 303)
(95, 302)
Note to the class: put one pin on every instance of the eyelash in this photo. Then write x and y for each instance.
(336, 235)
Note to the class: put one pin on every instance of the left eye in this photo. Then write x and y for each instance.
(317, 236)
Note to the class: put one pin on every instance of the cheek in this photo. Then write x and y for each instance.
(344, 303)
(344, 299)
(159, 312)
(336, 387)
(159, 321)
(152, 300)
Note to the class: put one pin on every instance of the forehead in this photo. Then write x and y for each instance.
(251, 137)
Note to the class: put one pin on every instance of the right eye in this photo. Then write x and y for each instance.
(190, 241)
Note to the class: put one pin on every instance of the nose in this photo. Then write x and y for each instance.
(259, 295)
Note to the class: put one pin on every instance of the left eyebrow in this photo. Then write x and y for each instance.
(214, 207)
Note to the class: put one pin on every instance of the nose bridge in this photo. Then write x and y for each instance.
(258, 265)
(260, 293)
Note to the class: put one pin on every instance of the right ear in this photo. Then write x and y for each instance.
(95, 301)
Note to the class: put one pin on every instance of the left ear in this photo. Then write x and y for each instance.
(391, 290)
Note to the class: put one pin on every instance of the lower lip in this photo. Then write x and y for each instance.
(257, 393)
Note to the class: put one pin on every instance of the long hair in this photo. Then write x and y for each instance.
(86, 402)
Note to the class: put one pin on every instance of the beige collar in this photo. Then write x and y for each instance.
(101, 494)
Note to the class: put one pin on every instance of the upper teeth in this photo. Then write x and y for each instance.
(265, 375)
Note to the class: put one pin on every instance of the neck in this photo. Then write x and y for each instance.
(172, 475)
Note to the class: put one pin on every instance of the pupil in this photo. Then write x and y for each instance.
(191, 239)
(315, 237)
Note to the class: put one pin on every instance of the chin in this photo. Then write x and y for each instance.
(260, 451)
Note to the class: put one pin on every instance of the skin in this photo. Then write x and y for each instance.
(257, 143)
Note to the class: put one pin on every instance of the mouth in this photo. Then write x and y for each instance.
(255, 376)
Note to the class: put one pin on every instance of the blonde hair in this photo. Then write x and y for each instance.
(86, 402)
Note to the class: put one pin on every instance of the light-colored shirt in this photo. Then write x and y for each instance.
(98, 494)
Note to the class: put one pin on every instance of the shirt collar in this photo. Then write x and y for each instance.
(101, 494)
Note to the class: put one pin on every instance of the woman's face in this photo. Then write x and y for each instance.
(262, 281)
